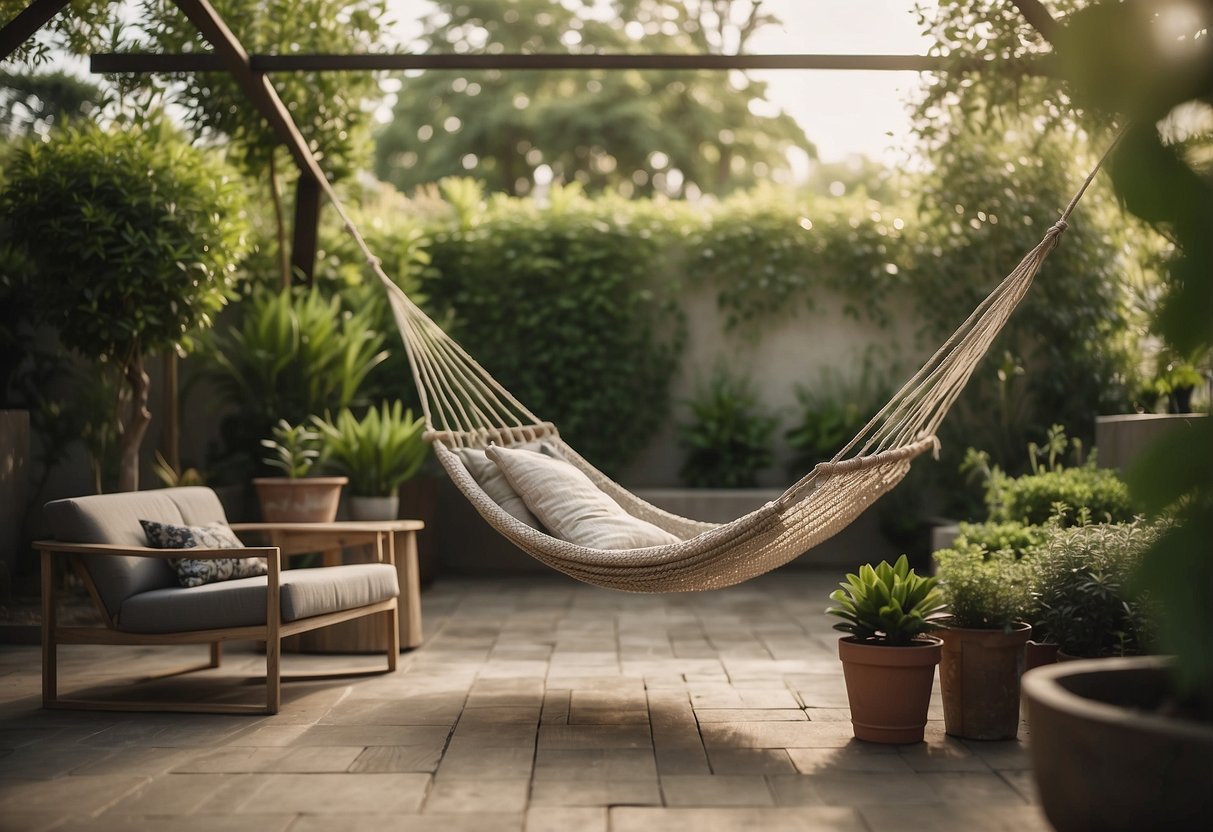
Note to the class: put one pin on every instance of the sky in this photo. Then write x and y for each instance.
(842, 112)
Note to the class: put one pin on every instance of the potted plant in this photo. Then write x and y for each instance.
(378, 454)
(888, 661)
(1081, 590)
(988, 594)
(296, 497)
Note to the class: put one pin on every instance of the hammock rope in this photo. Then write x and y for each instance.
(465, 407)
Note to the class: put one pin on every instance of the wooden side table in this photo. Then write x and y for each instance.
(389, 541)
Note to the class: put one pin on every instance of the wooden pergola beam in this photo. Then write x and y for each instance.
(122, 62)
(261, 93)
(22, 27)
(1042, 21)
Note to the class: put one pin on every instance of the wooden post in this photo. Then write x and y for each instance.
(50, 657)
(307, 226)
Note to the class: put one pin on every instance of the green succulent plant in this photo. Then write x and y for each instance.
(891, 605)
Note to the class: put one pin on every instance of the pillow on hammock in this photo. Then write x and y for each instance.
(194, 571)
(490, 478)
(571, 506)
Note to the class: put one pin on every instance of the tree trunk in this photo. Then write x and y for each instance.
(136, 426)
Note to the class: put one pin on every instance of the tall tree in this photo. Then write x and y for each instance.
(655, 131)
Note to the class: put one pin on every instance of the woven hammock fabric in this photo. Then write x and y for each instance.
(465, 407)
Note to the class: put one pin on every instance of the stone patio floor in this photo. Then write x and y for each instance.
(534, 704)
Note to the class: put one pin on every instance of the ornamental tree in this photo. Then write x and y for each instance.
(132, 239)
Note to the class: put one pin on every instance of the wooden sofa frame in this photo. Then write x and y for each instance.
(53, 553)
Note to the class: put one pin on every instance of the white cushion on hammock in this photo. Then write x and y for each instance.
(571, 506)
(491, 479)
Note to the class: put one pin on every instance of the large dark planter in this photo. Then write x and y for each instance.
(979, 681)
(889, 688)
(1102, 756)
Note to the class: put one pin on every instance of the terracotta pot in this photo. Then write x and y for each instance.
(889, 688)
(979, 680)
(1105, 758)
(1038, 654)
(306, 500)
(374, 508)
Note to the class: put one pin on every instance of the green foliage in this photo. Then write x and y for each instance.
(832, 412)
(36, 102)
(327, 107)
(79, 28)
(293, 353)
(1082, 587)
(728, 439)
(297, 448)
(769, 255)
(568, 306)
(984, 589)
(379, 452)
(888, 604)
(1034, 498)
(646, 132)
(1010, 536)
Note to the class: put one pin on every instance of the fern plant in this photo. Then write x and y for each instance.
(888, 605)
(379, 452)
(728, 440)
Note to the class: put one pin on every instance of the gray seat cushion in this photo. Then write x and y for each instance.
(241, 602)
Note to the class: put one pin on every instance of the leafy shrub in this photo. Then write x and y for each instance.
(1034, 498)
(887, 604)
(1077, 494)
(769, 255)
(296, 449)
(1081, 590)
(728, 439)
(1008, 535)
(984, 589)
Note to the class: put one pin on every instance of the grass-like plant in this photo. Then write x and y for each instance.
(379, 452)
(985, 590)
(889, 605)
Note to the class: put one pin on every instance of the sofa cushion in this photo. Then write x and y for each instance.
(198, 571)
(114, 519)
(568, 503)
(241, 602)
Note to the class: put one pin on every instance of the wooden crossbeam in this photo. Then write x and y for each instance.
(123, 62)
(22, 27)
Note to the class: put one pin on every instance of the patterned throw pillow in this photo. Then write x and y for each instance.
(211, 536)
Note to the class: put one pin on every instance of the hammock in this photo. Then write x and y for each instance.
(465, 407)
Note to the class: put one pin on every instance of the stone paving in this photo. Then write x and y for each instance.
(535, 704)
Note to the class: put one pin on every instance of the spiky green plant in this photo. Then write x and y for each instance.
(887, 604)
(379, 452)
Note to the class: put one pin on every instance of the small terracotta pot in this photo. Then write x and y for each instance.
(979, 679)
(889, 688)
(305, 500)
